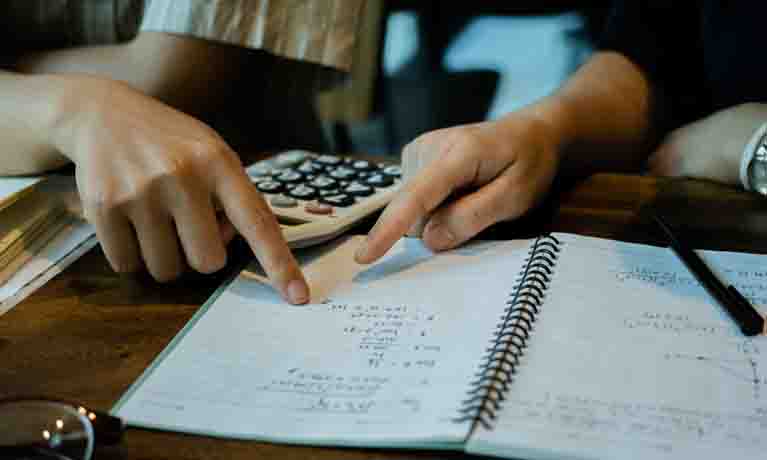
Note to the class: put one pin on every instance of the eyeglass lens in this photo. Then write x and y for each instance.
(44, 430)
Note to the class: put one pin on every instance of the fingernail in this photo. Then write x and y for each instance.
(441, 237)
(298, 293)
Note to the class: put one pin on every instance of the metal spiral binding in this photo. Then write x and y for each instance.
(511, 335)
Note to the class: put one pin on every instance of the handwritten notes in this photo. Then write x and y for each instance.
(635, 359)
(627, 358)
(383, 354)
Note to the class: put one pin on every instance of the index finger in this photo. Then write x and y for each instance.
(418, 198)
(253, 219)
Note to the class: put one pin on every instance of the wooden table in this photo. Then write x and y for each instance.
(89, 333)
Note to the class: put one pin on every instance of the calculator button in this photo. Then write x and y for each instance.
(310, 167)
(270, 186)
(393, 171)
(303, 192)
(328, 192)
(318, 208)
(260, 169)
(281, 201)
(363, 165)
(289, 176)
(323, 182)
(379, 180)
(339, 200)
(291, 158)
(343, 173)
(328, 160)
(357, 189)
(257, 179)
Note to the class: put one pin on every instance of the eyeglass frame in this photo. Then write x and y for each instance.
(107, 429)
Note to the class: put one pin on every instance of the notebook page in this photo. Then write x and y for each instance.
(632, 359)
(382, 357)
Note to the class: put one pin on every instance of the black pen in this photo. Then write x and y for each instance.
(750, 321)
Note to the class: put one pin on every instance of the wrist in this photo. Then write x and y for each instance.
(554, 115)
(29, 110)
(74, 99)
(64, 99)
(32, 101)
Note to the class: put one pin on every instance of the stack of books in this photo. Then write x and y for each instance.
(40, 234)
(28, 221)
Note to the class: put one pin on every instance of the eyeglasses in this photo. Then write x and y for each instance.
(39, 428)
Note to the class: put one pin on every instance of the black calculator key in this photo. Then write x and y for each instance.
(343, 173)
(303, 192)
(289, 176)
(290, 158)
(340, 200)
(281, 201)
(310, 167)
(393, 171)
(328, 192)
(363, 165)
(323, 182)
(261, 169)
(357, 189)
(328, 160)
(270, 186)
(379, 180)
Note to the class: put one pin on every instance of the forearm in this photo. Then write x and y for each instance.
(602, 117)
(28, 112)
(189, 74)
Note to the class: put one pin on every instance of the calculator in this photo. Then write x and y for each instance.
(316, 197)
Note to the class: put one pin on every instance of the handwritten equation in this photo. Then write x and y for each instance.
(660, 427)
(751, 283)
(678, 324)
(741, 366)
(336, 393)
(385, 333)
(663, 278)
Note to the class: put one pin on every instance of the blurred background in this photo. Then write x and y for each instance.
(424, 65)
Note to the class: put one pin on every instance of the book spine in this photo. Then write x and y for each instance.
(510, 338)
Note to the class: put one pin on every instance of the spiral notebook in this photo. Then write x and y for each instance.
(558, 347)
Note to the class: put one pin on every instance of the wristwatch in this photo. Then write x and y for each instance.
(757, 168)
(753, 162)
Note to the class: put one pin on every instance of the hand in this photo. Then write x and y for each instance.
(710, 148)
(150, 178)
(471, 177)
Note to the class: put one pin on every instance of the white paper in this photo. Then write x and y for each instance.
(632, 359)
(382, 357)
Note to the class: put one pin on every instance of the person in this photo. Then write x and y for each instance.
(119, 88)
(674, 89)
